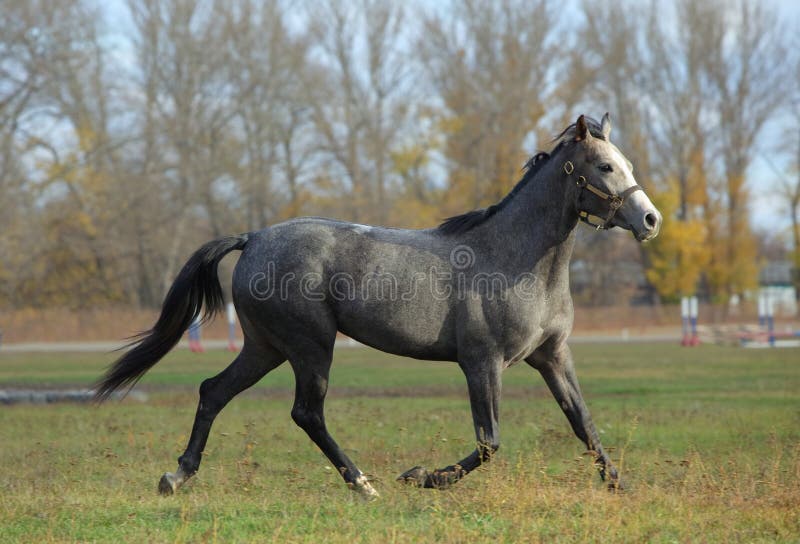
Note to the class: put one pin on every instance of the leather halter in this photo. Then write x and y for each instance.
(615, 202)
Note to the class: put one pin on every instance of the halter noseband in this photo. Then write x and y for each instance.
(615, 202)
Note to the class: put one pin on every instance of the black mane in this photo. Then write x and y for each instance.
(466, 221)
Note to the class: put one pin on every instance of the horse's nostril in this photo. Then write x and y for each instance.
(650, 220)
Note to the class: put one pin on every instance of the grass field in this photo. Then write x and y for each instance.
(708, 441)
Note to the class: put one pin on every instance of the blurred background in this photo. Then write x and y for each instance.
(131, 131)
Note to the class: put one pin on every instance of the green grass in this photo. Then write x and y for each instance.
(708, 440)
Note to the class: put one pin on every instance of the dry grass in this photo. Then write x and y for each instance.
(267, 483)
(708, 441)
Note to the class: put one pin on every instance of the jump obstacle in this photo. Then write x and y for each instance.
(766, 336)
(689, 312)
(762, 335)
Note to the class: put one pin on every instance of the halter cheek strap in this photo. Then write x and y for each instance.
(615, 202)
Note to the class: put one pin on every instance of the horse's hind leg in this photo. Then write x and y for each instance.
(252, 363)
(311, 369)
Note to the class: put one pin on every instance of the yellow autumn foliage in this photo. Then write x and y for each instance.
(679, 255)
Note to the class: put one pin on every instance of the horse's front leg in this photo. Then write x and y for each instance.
(558, 371)
(484, 383)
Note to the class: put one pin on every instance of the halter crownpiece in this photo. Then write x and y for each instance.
(615, 202)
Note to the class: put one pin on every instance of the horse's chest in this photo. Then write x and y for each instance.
(523, 330)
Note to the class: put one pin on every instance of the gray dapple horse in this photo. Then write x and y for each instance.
(487, 289)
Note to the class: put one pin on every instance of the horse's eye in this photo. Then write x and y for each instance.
(606, 167)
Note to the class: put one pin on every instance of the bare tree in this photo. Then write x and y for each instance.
(608, 74)
(358, 102)
(747, 66)
(789, 183)
(681, 94)
(187, 85)
(20, 78)
(492, 66)
(268, 72)
(58, 109)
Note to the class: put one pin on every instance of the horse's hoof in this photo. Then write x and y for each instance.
(438, 479)
(364, 488)
(167, 485)
(416, 476)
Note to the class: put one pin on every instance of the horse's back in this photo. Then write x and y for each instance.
(326, 246)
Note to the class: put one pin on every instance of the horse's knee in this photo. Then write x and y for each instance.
(306, 418)
(207, 387)
(208, 400)
(308, 402)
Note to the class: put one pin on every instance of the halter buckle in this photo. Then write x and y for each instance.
(615, 203)
(569, 167)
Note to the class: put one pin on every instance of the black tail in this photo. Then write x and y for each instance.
(197, 285)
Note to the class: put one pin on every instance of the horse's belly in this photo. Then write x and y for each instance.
(409, 331)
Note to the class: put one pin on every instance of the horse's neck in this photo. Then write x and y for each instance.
(541, 217)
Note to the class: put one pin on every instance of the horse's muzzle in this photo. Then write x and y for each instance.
(648, 226)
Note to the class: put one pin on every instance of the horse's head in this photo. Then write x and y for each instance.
(606, 186)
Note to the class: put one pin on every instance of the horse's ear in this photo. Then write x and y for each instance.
(581, 129)
(605, 126)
